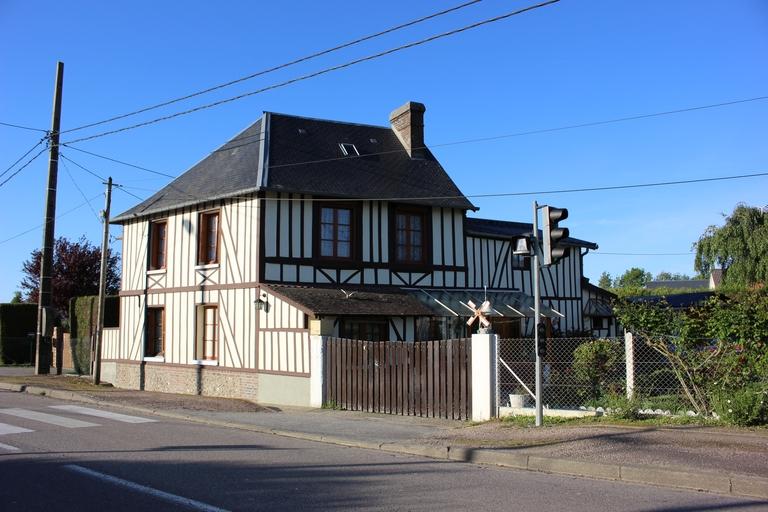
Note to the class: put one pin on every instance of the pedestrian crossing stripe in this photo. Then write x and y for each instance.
(124, 418)
(12, 429)
(42, 417)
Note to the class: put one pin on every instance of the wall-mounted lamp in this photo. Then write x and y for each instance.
(261, 303)
(521, 247)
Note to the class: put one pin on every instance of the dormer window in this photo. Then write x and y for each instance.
(348, 149)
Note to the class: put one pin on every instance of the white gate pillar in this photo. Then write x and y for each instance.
(317, 371)
(484, 361)
(629, 356)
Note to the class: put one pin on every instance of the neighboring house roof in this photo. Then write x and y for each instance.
(716, 278)
(677, 301)
(284, 153)
(679, 285)
(506, 229)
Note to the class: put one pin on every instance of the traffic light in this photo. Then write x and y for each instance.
(554, 235)
(541, 349)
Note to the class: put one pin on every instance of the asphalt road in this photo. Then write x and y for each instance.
(60, 458)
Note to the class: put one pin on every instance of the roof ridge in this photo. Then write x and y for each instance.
(308, 118)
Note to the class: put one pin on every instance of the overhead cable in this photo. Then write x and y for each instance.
(278, 67)
(317, 73)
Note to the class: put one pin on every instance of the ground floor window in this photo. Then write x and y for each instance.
(207, 332)
(369, 329)
(154, 339)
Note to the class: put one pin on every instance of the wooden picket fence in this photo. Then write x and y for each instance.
(427, 378)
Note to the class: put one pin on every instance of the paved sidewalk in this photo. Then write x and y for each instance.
(726, 461)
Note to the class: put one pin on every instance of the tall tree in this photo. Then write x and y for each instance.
(75, 273)
(605, 281)
(739, 247)
(633, 278)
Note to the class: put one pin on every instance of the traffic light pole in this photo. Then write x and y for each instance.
(537, 311)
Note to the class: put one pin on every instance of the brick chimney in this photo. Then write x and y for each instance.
(408, 123)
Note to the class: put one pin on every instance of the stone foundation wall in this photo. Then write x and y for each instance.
(187, 379)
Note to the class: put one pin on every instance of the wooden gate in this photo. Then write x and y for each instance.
(426, 378)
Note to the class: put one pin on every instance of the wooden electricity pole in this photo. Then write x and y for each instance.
(44, 311)
(102, 286)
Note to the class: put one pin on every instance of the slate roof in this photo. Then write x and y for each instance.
(679, 284)
(302, 155)
(230, 170)
(507, 229)
(371, 302)
(677, 301)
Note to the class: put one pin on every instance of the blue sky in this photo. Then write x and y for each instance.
(569, 63)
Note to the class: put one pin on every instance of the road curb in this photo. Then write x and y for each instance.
(16, 388)
(735, 485)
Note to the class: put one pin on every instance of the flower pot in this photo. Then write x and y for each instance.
(516, 401)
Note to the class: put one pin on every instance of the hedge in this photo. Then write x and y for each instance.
(82, 324)
(18, 324)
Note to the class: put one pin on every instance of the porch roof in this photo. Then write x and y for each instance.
(504, 303)
(380, 301)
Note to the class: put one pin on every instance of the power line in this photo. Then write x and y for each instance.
(23, 127)
(122, 188)
(22, 157)
(319, 73)
(489, 195)
(119, 161)
(278, 67)
(9, 178)
(226, 147)
(643, 253)
(72, 178)
(102, 179)
(57, 218)
(464, 141)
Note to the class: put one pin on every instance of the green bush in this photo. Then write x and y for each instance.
(743, 407)
(83, 319)
(597, 368)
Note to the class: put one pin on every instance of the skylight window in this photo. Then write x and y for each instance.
(348, 149)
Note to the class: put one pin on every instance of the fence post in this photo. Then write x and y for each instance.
(317, 371)
(629, 356)
(484, 360)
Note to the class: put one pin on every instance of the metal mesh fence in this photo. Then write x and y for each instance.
(585, 372)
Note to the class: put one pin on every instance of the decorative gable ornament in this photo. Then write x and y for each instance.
(479, 313)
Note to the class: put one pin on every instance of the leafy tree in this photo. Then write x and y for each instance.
(633, 278)
(605, 281)
(76, 267)
(740, 247)
(16, 298)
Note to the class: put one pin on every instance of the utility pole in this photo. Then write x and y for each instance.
(102, 285)
(44, 310)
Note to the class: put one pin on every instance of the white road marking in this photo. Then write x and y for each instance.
(172, 498)
(48, 418)
(12, 429)
(8, 447)
(102, 414)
